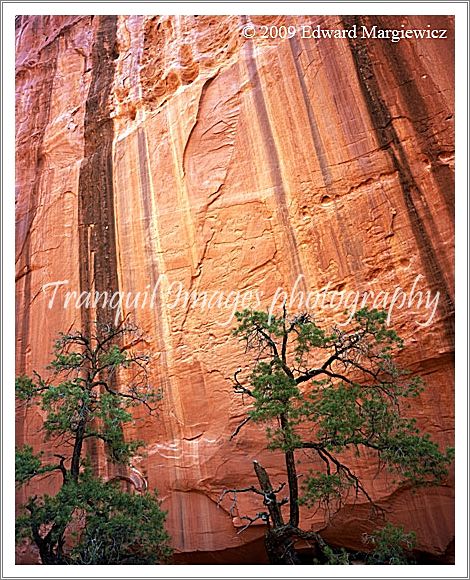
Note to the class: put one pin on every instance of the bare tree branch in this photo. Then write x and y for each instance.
(259, 516)
(239, 427)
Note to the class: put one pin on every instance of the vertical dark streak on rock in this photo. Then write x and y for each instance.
(389, 141)
(24, 227)
(274, 163)
(316, 137)
(144, 174)
(321, 155)
(418, 113)
(23, 248)
(97, 236)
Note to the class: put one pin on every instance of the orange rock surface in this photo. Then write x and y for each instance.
(170, 150)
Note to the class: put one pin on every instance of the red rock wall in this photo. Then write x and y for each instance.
(171, 146)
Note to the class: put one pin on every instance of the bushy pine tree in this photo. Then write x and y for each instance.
(329, 393)
(89, 520)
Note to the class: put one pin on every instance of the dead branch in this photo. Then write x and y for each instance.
(240, 426)
(259, 516)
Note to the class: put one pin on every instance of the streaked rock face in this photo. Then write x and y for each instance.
(171, 152)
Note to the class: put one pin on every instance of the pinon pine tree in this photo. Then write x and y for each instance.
(328, 394)
(89, 520)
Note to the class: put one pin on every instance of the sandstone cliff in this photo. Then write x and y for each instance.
(173, 149)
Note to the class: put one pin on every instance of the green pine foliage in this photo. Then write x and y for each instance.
(390, 545)
(101, 523)
(335, 394)
(89, 520)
